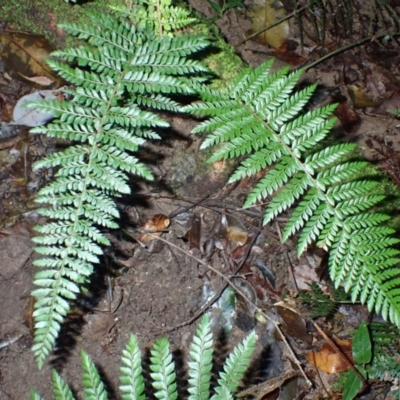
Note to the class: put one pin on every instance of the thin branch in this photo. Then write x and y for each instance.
(344, 48)
(299, 10)
(237, 290)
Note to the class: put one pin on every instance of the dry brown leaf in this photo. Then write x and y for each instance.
(233, 230)
(348, 117)
(28, 314)
(7, 104)
(294, 324)
(260, 390)
(25, 54)
(237, 235)
(155, 225)
(39, 80)
(360, 97)
(287, 52)
(330, 361)
(264, 13)
(305, 274)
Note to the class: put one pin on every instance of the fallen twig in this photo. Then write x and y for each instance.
(237, 290)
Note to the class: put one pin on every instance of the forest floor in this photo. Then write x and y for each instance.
(158, 288)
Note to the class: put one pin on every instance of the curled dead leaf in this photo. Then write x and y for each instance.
(25, 54)
(360, 97)
(39, 80)
(264, 13)
(328, 360)
(155, 225)
(294, 324)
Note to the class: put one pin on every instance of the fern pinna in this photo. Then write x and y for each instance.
(121, 74)
(163, 375)
(260, 118)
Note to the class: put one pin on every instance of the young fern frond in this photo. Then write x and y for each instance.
(259, 119)
(131, 372)
(92, 384)
(236, 364)
(162, 370)
(122, 75)
(201, 352)
(61, 389)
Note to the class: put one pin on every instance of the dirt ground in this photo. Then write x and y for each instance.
(157, 289)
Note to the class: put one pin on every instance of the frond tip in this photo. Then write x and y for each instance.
(261, 120)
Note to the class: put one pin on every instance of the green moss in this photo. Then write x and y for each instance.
(221, 57)
(43, 16)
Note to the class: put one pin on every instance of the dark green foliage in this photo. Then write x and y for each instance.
(386, 349)
(321, 304)
(122, 75)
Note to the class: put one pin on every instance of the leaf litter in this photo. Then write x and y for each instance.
(159, 287)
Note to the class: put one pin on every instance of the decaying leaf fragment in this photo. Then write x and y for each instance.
(25, 54)
(155, 225)
(261, 390)
(264, 13)
(328, 360)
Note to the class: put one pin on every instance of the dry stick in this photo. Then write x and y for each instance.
(182, 210)
(211, 204)
(344, 48)
(217, 295)
(230, 283)
(331, 343)
(342, 355)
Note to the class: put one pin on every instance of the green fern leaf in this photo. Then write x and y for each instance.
(201, 351)
(122, 74)
(163, 374)
(61, 389)
(237, 364)
(92, 384)
(223, 394)
(260, 120)
(34, 396)
(131, 372)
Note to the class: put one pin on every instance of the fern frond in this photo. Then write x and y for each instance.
(60, 388)
(160, 16)
(131, 372)
(163, 374)
(34, 396)
(92, 384)
(123, 74)
(237, 364)
(261, 120)
(223, 394)
(162, 370)
(201, 351)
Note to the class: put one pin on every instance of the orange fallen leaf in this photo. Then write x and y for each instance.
(155, 225)
(330, 361)
(237, 235)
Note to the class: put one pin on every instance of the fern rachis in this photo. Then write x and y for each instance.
(121, 75)
(261, 120)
